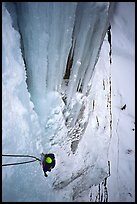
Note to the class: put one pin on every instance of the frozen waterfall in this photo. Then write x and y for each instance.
(56, 83)
(50, 90)
(60, 52)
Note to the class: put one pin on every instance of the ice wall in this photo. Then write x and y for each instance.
(45, 29)
(60, 119)
(20, 124)
(16, 98)
(50, 32)
(121, 184)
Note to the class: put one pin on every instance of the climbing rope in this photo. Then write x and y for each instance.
(17, 163)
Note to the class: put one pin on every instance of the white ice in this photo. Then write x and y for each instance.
(41, 113)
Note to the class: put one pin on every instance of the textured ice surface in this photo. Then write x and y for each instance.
(53, 123)
(49, 108)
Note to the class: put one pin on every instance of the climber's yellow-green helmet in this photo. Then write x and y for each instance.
(48, 160)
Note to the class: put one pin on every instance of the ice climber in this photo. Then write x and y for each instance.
(47, 162)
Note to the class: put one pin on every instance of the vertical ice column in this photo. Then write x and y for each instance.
(49, 31)
(89, 31)
(46, 30)
(35, 36)
(60, 41)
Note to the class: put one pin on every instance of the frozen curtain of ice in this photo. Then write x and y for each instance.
(54, 100)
